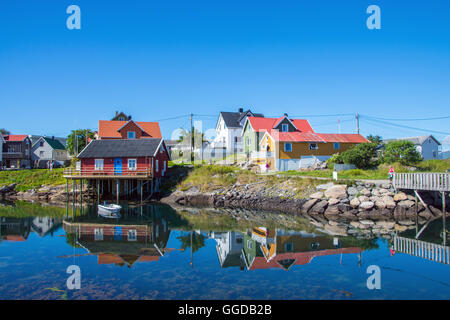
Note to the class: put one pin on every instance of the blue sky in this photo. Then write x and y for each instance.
(163, 59)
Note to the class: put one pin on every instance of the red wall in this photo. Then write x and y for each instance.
(131, 126)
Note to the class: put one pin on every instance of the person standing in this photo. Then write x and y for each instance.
(391, 173)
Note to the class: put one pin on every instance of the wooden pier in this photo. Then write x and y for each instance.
(432, 181)
(422, 249)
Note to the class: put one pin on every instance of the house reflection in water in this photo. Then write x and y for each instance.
(121, 242)
(14, 229)
(275, 248)
(229, 247)
(45, 225)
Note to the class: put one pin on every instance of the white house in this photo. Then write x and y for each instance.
(2, 142)
(48, 149)
(428, 146)
(229, 129)
(229, 247)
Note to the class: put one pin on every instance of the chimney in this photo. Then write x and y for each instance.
(286, 115)
(53, 137)
(117, 113)
(241, 110)
(129, 117)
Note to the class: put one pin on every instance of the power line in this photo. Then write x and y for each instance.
(403, 126)
(410, 119)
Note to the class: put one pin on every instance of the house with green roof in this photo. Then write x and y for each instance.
(48, 149)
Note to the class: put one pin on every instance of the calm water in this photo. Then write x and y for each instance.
(154, 252)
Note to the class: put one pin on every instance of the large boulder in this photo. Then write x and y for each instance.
(400, 196)
(352, 191)
(366, 205)
(338, 191)
(406, 203)
(355, 203)
(337, 230)
(319, 207)
(308, 205)
(316, 195)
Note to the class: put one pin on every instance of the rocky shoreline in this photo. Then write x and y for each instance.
(360, 201)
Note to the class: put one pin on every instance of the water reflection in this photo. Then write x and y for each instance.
(197, 254)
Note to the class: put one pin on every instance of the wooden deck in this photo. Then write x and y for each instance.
(422, 181)
(138, 174)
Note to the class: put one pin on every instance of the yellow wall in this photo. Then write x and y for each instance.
(302, 149)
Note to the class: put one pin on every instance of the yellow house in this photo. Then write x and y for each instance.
(284, 151)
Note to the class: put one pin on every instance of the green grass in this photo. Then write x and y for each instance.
(32, 179)
(380, 173)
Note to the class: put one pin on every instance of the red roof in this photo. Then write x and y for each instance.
(14, 238)
(265, 124)
(15, 137)
(109, 128)
(300, 258)
(317, 137)
(343, 137)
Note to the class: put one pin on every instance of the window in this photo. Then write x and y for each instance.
(284, 127)
(98, 164)
(157, 165)
(435, 154)
(41, 143)
(132, 164)
(313, 146)
(164, 168)
(131, 135)
(336, 145)
(121, 119)
(288, 147)
(41, 154)
(249, 244)
(132, 235)
(27, 152)
(289, 247)
(98, 234)
(249, 141)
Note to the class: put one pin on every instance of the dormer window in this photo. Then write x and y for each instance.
(131, 135)
(121, 119)
(284, 127)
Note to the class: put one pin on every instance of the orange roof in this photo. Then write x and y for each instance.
(110, 129)
(300, 258)
(148, 258)
(15, 137)
(107, 258)
(264, 124)
(343, 137)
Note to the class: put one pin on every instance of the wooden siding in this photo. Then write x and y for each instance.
(302, 149)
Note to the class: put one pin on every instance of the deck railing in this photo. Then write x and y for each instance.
(107, 172)
(422, 249)
(422, 181)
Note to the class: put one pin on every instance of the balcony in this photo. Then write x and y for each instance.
(108, 173)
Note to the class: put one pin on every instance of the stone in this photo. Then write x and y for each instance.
(366, 205)
(337, 191)
(320, 206)
(400, 196)
(352, 191)
(332, 210)
(355, 203)
(367, 222)
(406, 203)
(406, 222)
(386, 224)
(325, 186)
(380, 204)
(336, 230)
(363, 198)
(333, 201)
(308, 205)
(400, 228)
(316, 195)
(365, 192)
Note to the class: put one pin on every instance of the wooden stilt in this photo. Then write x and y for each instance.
(444, 213)
(117, 190)
(140, 182)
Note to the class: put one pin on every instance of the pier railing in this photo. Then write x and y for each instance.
(422, 181)
(422, 249)
(107, 173)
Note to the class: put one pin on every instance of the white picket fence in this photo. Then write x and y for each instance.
(422, 181)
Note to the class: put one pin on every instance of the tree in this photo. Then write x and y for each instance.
(76, 141)
(4, 131)
(192, 240)
(402, 151)
(361, 155)
(375, 139)
(185, 137)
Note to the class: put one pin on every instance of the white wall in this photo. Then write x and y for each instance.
(428, 147)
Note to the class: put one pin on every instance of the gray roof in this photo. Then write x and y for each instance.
(35, 138)
(232, 119)
(121, 148)
(418, 140)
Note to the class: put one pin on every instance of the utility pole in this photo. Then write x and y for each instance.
(357, 123)
(192, 139)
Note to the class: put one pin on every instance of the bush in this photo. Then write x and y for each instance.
(361, 155)
(402, 151)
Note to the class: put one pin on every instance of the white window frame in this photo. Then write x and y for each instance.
(133, 135)
(336, 144)
(132, 235)
(249, 244)
(311, 146)
(286, 144)
(99, 167)
(132, 168)
(98, 234)
(157, 165)
(284, 127)
(164, 165)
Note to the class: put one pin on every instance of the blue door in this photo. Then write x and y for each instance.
(118, 233)
(118, 166)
